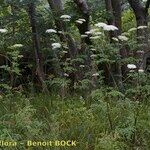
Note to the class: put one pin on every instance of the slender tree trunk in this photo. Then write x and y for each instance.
(116, 5)
(110, 18)
(58, 10)
(141, 14)
(84, 9)
(113, 8)
(36, 43)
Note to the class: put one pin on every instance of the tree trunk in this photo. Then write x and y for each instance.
(110, 17)
(141, 14)
(116, 5)
(113, 8)
(84, 9)
(58, 10)
(35, 37)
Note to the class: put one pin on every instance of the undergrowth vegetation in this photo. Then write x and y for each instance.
(107, 119)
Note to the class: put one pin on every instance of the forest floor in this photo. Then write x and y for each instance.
(91, 124)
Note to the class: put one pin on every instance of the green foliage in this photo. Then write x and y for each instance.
(106, 124)
(128, 20)
(81, 104)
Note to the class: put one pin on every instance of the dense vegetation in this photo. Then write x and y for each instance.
(75, 70)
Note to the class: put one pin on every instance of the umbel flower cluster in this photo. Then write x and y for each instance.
(3, 30)
(132, 67)
(93, 34)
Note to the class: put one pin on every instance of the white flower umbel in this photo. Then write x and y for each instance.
(95, 75)
(97, 33)
(17, 46)
(83, 20)
(92, 31)
(93, 49)
(142, 27)
(61, 32)
(132, 71)
(51, 31)
(81, 66)
(3, 30)
(64, 52)
(115, 39)
(84, 36)
(66, 18)
(93, 56)
(140, 52)
(101, 25)
(56, 45)
(79, 21)
(110, 28)
(122, 38)
(131, 66)
(141, 71)
(87, 32)
(66, 75)
(106, 27)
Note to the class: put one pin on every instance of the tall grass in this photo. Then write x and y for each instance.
(103, 125)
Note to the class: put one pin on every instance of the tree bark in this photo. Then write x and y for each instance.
(58, 10)
(116, 5)
(36, 43)
(113, 7)
(147, 6)
(110, 18)
(84, 9)
(141, 14)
